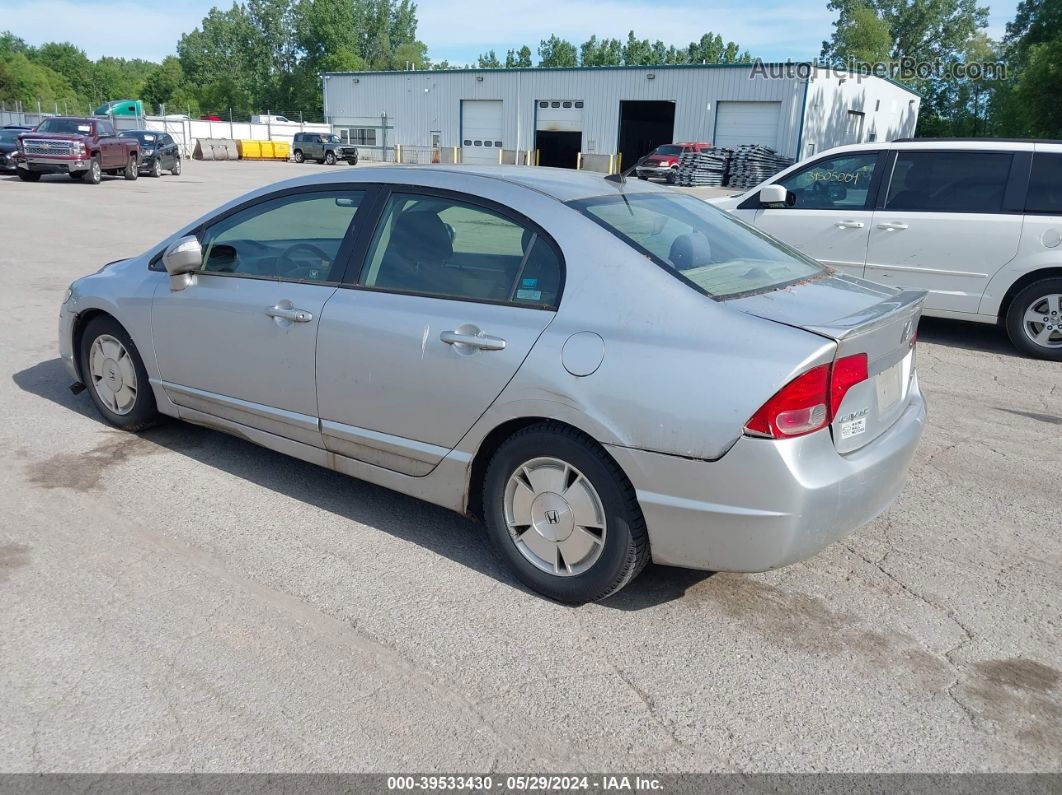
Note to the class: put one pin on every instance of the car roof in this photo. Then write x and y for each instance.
(563, 184)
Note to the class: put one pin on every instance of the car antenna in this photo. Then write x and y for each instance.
(621, 177)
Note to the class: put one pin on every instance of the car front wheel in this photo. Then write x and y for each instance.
(156, 168)
(176, 170)
(299, 157)
(29, 176)
(330, 159)
(1034, 320)
(563, 516)
(114, 373)
(94, 173)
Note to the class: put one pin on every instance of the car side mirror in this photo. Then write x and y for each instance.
(776, 195)
(182, 259)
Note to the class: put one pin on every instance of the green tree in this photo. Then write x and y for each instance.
(922, 29)
(29, 82)
(489, 60)
(862, 35)
(1037, 89)
(555, 51)
(637, 52)
(607, 52)
(518, 59)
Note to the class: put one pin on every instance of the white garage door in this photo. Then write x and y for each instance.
(481, 130)
(738, 123)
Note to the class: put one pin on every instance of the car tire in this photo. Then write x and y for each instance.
(94, 174)
(330, 158)
(353, 161)
(132, 168)
(156, 168)
(1034, 320)
(641, 177)
(29, 176)
(299, 157)
(555, 470)
(115, 377)
(75, 174)
(176, 170)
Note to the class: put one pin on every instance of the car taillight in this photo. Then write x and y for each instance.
(800, 407)
(808, 402)
(847, 372)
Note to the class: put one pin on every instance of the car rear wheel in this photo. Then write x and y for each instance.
(330, 158)
(353, 161)
(28, 176)
(115, 376)
(94, 173)
(1034, 320)
(156, 168)
(176, 170)
(131, 170)
(562, 515)
(299, 157)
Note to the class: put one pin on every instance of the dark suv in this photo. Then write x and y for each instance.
(323, 148)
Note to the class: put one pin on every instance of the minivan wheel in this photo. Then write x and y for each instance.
(1034, 320)
(299, 156)
(562, 515)
(115, 375)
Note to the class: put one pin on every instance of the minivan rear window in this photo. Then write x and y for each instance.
(1045, 184)
(705, 247)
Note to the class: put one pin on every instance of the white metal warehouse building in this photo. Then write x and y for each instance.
(606, 112)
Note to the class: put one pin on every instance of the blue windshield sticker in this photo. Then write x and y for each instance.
(529, 282)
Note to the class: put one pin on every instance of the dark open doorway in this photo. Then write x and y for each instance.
(559, 149)
(644, 125)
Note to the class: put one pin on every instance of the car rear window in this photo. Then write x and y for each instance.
(707, 248)
(668, 150)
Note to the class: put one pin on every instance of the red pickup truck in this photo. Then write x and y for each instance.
(663, 161)
(83, 148)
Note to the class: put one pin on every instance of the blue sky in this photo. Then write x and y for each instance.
(458, 32)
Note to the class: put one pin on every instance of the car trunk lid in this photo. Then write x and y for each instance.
(863, 319)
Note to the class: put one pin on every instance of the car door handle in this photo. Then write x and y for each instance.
(849, 224)
(286, 313)
(481, 341)
(890, 226)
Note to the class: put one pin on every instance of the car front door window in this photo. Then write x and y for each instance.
(294, 238)
(838, 183)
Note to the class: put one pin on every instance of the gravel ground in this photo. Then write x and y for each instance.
(182, 600)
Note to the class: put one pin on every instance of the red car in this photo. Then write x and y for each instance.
(82, 148)
(210, 118)
(663, 161)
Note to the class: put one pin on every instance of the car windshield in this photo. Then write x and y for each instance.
(705, 247)
(332, 139)
(145, 137)
(668, 150)
(65, 127)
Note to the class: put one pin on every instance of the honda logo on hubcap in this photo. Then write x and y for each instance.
(551, 517)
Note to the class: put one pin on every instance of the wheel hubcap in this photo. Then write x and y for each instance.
(555, 517)
(1042, 319)
(113, 374)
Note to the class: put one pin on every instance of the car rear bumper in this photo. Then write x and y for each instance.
(769, 503)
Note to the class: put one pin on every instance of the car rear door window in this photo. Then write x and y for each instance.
(297, 237)
(1045, 184)
(445, 247)
(836, 183)
(949, 182)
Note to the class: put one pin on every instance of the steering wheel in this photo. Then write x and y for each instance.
(286, 265)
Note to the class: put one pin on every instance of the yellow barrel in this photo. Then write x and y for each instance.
(266, 150)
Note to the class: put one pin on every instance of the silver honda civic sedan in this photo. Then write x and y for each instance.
(603, 372)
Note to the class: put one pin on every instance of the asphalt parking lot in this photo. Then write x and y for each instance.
(185, 601)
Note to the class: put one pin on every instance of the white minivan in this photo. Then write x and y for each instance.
(975, 222)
